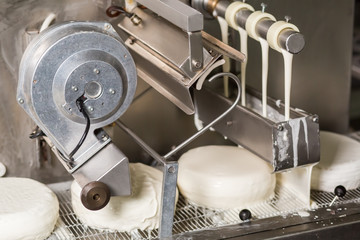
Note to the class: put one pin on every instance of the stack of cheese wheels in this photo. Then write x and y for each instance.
(224, 177)
(339, 163)
(28, 209)
(141, 210)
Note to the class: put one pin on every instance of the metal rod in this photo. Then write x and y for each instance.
(289, 40)
(201, 131)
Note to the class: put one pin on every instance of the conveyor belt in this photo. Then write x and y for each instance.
(189, 217)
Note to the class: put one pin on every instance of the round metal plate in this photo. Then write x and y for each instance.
(60, 64)
(95, 195)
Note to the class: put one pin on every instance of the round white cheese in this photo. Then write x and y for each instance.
(339, 163)
(225, 177)
(141, 210)
(28, 209)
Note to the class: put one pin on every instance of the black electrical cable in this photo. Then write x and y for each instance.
(81, 107)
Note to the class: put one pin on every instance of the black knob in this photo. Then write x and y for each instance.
(245, 214)
(95, 195)
(340, 191)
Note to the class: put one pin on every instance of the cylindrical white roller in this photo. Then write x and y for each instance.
(253, 20)
(233, 9)
(274, 32)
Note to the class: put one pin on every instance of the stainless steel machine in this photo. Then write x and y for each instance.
(144, 68)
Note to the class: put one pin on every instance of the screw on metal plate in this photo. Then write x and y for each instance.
(104, 137)
(263, 7)
(74, 88)
(131, 40)
(315, 119)
(280, 127)
(287, 18)
(107, 26)
(21, 101)
(135, 19)
(96, 71)
(197, 64)
(91, 109)
(112, 91)
(171, 169)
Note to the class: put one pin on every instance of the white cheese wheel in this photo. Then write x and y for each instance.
(141, 210)
(225, 177)
(339, 163)
(28, 209)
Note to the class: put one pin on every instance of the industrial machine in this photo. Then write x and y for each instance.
(78, 77)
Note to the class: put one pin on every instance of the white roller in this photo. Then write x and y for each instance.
(274, 32)
(233, 9)
(253, 20)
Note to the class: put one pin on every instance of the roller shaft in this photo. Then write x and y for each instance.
(289, 40)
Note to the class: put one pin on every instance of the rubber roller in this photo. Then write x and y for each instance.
(274, 33)
(253, 20)
(233, 9)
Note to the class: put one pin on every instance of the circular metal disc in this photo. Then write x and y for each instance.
(95, 195)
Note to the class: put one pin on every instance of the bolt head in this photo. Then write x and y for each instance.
(315, 119)
(74, 88)
(104, 137)
(112, 91)
(96, 71)
(280, 127)
(91, 109)
(171, 169)
(197, 64)
(107, 26)
(21, 101)
(287, 18)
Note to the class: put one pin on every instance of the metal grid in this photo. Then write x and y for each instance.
(188, 217)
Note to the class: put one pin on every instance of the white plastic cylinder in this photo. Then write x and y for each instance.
(253, 20)
(233, 9)
(274, 32)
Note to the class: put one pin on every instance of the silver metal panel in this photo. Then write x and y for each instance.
(162, 77)
(176, 47)
(109, 166)
(284, 144)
